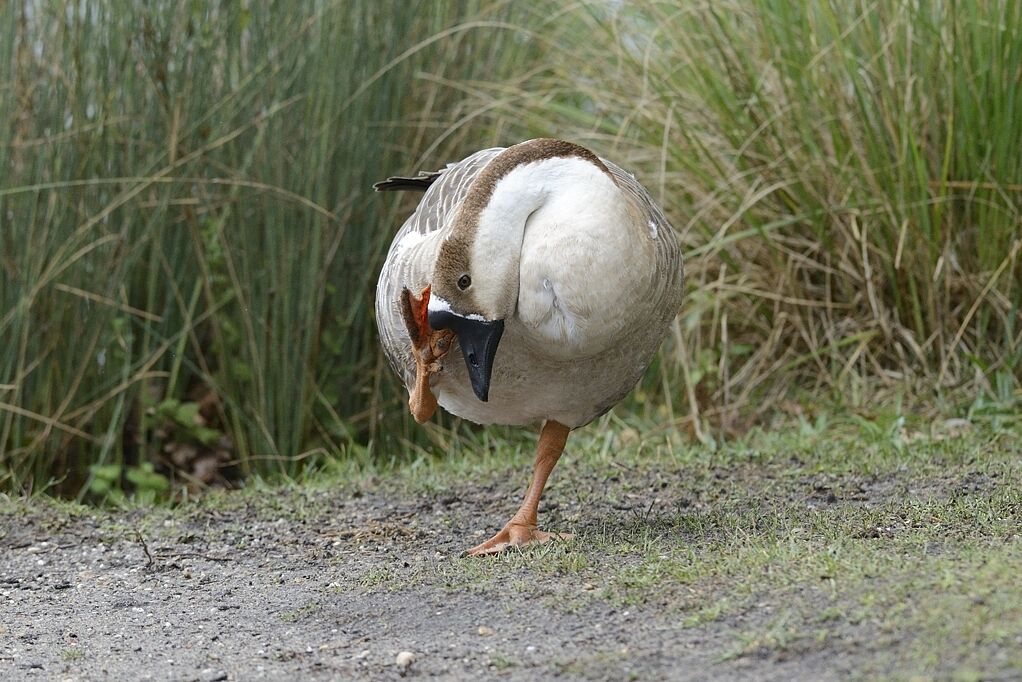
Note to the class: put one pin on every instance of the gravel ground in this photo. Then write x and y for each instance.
(247, 594)
(306, 583)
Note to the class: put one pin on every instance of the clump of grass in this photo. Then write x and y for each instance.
(188, 243)
(300, 613)
(844, 177)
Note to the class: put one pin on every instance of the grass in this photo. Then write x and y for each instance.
(299, 613)
(844, 179)
(72, 654)
(188, 247)
(893, 556)
(906, 545)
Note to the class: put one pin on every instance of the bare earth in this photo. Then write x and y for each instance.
(335, 582)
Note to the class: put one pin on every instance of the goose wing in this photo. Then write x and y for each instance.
(669, 267)
(445, 189)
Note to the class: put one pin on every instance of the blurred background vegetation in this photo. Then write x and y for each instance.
(189, 246)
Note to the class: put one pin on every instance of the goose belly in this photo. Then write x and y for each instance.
(527, 387)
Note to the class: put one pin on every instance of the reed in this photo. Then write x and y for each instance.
(844, 176)
(189, 243)
(188, 247)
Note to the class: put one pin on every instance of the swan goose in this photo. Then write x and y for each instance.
(532, 284)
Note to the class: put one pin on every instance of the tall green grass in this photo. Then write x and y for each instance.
(189, 243)
(188, 249)
(846, 178)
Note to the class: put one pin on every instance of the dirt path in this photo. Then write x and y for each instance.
(333, 584)
(242, 595)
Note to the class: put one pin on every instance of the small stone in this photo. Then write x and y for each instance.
(485, 631)
(404, 660)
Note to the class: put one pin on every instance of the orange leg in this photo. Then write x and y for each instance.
(521, 529)
(428, 346)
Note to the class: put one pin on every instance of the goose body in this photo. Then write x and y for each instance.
(558, 273)
(599, 280)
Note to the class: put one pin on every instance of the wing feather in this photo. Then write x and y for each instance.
(665, 239)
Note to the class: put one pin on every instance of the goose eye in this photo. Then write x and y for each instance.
(464, 282)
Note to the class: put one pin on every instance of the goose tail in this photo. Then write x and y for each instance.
(399, 183)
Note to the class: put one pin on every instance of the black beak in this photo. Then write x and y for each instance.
(478, 340)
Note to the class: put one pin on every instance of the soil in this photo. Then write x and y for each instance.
(335, 584)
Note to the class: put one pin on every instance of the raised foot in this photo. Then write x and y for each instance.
(516, 535)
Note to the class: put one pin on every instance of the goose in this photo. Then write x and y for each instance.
(532, 284)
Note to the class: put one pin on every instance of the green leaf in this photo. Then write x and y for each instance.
(144, 478)
(105, 472)
(187, 415)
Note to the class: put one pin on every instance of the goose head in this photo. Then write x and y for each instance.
(472, 297)
(475, 280)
